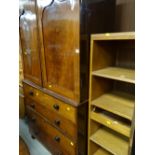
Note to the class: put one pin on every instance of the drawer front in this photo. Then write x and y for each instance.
(66, 126)
(51, 103)
(44, 139)
(67, 146)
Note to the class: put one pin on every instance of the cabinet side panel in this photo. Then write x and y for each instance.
(96, 16)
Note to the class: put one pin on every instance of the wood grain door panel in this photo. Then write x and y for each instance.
(60, 36)
(30, 41)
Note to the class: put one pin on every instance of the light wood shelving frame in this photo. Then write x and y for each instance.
(111, 94)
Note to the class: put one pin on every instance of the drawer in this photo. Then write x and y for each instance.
(61, 142)
(63, 124)
(44, 139)
(51, 103)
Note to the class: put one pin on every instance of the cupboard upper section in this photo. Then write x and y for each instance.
(55, 38)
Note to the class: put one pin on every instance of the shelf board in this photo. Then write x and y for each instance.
(114, 36)
(118, 103)
(110, 142)
(116, 73)
(101, 152)
(111, 123)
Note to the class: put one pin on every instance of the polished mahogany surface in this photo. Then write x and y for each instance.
(60, 36)
(29, 41)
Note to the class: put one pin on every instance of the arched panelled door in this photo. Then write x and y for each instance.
(59, 32)
(30, 41)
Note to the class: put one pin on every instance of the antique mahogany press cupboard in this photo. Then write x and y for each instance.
(54, 37)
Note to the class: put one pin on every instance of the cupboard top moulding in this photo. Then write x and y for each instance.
(114, 36)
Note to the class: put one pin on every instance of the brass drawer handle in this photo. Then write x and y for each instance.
(57, 139)
(31, 93)
(57, 122)
(56, 106)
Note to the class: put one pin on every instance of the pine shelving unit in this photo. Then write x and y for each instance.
(111, 94)
(113, 143)
(116, 102)
(111, 123)
(101, 152)
(116, 73)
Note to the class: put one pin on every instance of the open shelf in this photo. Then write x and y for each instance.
(119, 103)
(116, 73)
(101, 152)
(110, 142)
(111, 93)
(111, 122)
(114, 36)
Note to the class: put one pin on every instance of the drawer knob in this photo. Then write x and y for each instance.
(33, 119)
(31, 93)
(56, 106)
(33, 137)
(57, 122)
(57, 139)
(35, 134)
(32, 105)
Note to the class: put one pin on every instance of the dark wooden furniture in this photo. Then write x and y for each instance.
(55, 44)
(111, 94)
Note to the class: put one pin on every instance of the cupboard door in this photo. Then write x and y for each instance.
(59, 24)
(29, 41)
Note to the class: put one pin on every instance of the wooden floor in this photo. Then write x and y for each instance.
(23, 149)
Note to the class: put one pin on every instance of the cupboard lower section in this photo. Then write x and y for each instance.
(55, 141)
(62, 129)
